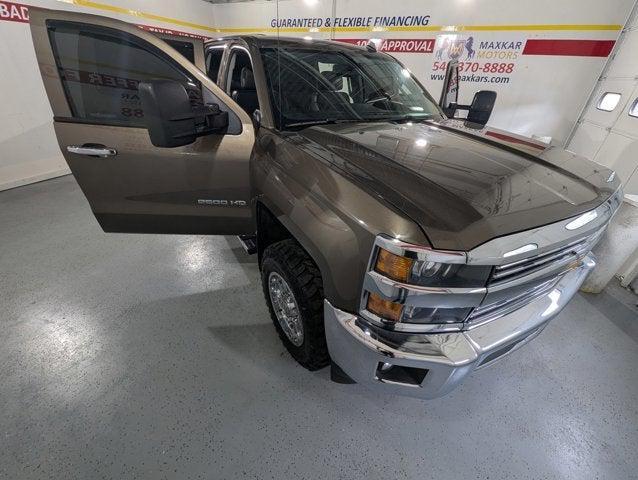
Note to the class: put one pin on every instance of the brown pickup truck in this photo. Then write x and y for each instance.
(401, 246)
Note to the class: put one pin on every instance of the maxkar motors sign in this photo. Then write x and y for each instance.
(484, 61)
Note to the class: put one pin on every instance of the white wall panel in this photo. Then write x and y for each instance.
(28, 149)
(624, 64)
(619, 152)
(588, 139)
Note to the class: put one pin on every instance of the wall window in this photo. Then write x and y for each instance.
(101, 69)
(608, 102)
(633, 111)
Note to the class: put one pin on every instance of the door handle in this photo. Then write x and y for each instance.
(92, 150)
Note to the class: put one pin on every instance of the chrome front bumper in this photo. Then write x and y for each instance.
(361, 349)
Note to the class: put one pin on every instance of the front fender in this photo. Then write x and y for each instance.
(333, 219)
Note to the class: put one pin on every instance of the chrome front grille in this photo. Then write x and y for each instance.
(556, 259)
(490, 310)
(513, 285)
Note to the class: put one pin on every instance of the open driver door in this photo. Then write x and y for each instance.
(100, 75)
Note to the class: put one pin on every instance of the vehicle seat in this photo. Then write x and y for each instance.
(322, 101)
(246, 93)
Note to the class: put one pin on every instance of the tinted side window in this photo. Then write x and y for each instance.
(213, 62)
(101, 69)
(238, 61)
(185, 48)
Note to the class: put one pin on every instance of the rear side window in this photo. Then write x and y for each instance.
(608, 102)
(214, 57)
(633, 111)
(101, 69)
(187, 49)
(238, 61)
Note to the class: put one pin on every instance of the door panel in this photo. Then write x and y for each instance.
(154, 185)
(91, 67)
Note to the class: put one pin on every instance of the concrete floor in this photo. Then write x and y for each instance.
(130, 356)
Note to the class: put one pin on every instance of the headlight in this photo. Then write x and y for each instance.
(395, 312)
(435, 315)
(416, 288)
(384, 308)
(428, 273)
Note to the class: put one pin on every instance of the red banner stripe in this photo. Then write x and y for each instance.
(14, 12)
(510, 139)
(398, 45)
(575, 48)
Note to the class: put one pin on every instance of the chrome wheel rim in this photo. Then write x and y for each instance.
(285, 307)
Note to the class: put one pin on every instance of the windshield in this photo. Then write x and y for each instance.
(312, 86)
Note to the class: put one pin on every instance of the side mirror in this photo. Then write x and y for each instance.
(450, 94)
(481, 108)
(170, 118)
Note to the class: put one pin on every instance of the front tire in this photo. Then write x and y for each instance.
(294, 293)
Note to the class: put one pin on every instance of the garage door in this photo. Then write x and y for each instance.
(607, 131)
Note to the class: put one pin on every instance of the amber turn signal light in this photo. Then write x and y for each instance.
(384, 308)
(393, 266)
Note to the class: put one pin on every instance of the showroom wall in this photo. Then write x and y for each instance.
(543, 59)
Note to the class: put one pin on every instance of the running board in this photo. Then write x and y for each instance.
(249, 242)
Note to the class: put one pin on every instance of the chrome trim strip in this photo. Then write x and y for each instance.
(92, 151)
(410, 327)
(521, 265)
(419, 252)
(492, 311)
(435, 348)
(418, 296)
(556, 269)
(517, 345)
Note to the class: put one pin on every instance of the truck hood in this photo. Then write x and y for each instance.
(461, 185)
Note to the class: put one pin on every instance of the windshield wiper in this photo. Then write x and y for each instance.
(327, 121)
(334, 121)
(400, 118)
